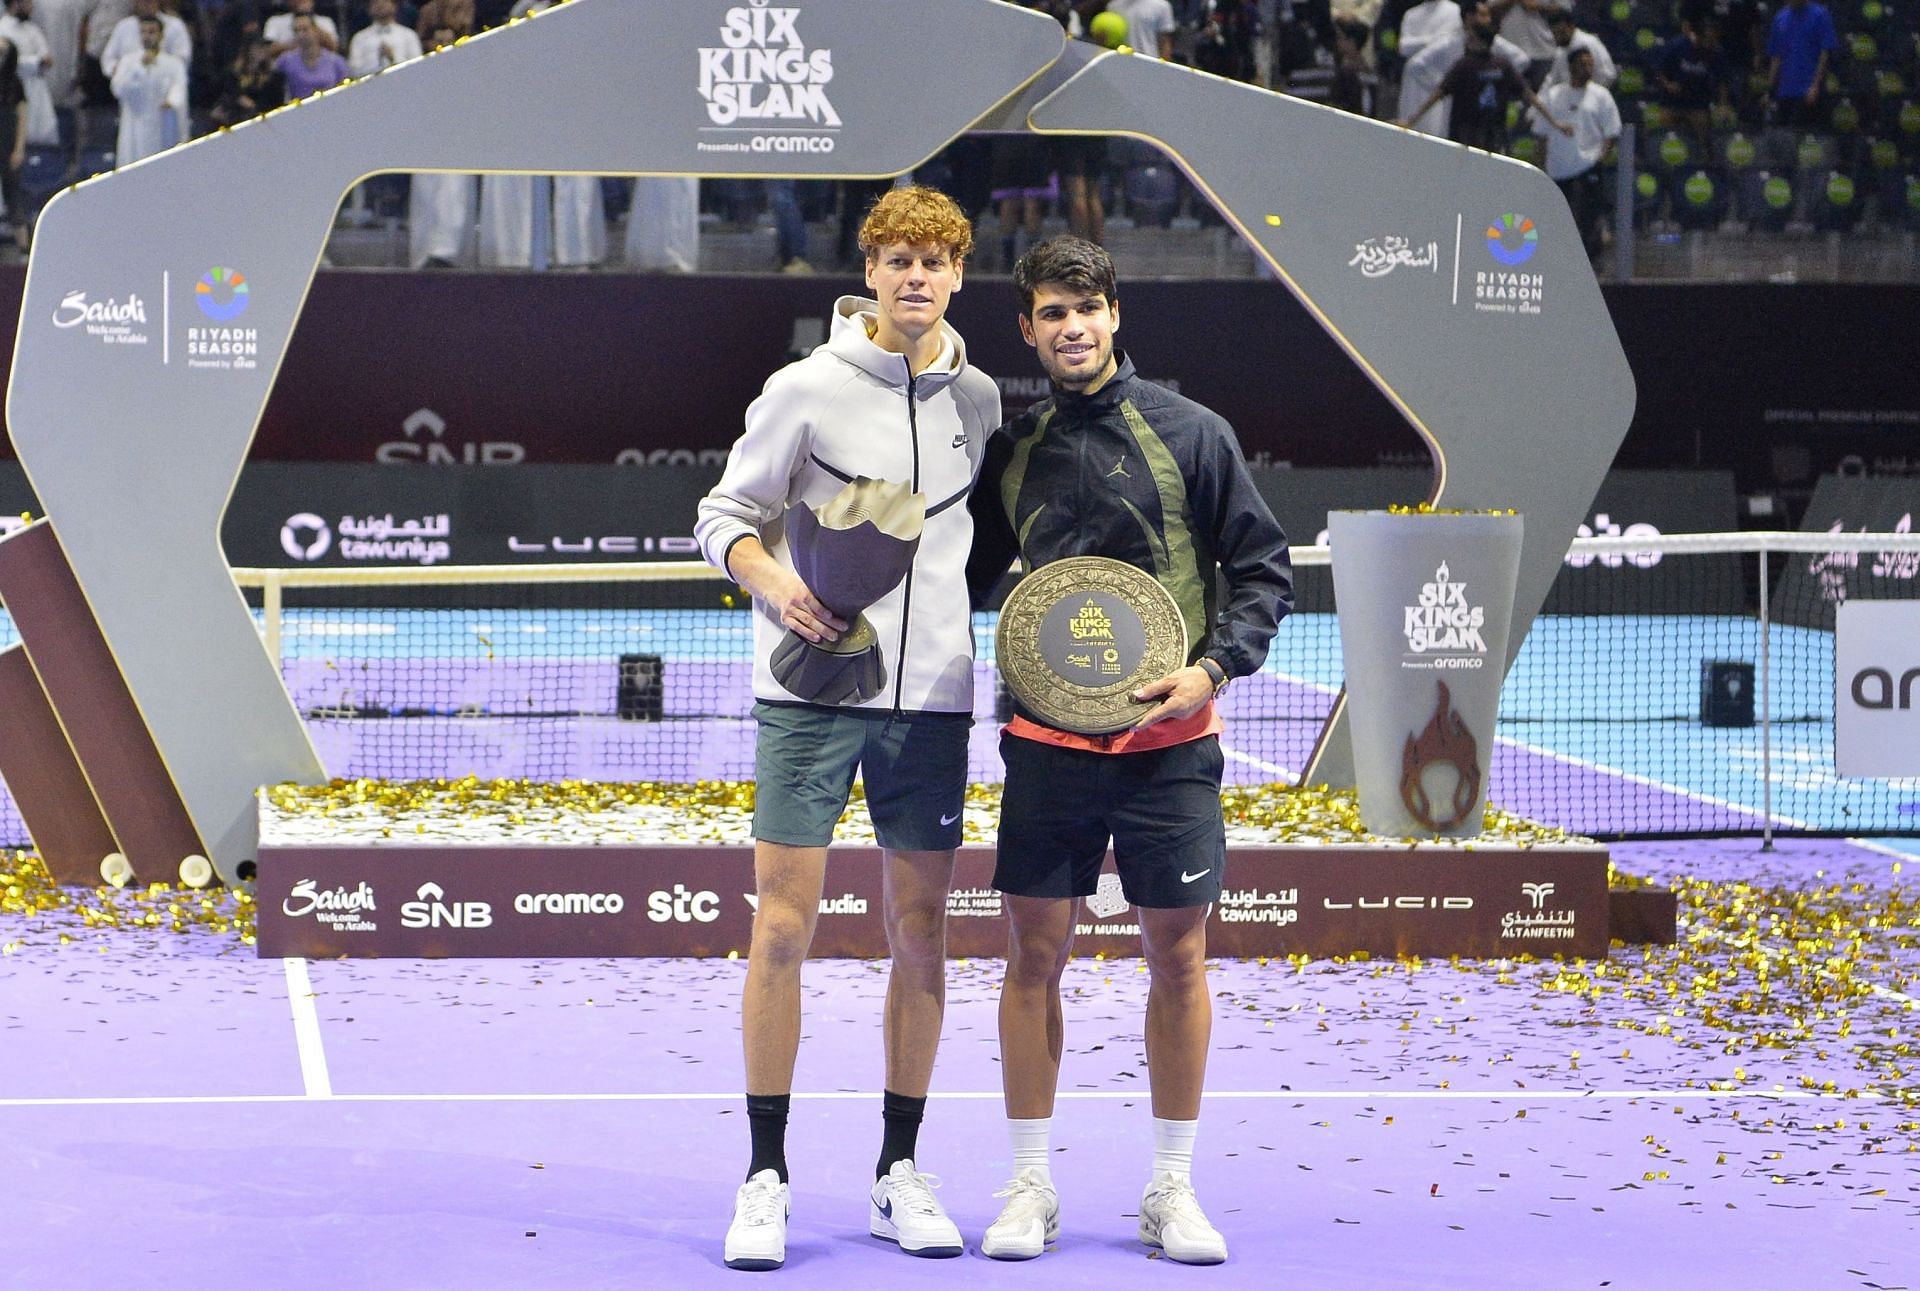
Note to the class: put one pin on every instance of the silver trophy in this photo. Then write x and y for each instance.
(849, 553)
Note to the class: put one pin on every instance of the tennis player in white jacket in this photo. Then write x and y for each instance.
(888, 397)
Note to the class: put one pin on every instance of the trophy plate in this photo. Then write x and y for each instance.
(1077, 636)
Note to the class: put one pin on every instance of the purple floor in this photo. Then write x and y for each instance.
(577, 1123)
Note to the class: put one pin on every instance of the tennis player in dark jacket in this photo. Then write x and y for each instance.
(1112, 465)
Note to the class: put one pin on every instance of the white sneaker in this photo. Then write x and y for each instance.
(905, 1211)
(757, 1237)
(1028, 1222)
(1171, 1218)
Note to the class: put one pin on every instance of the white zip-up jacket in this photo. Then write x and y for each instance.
(850, 409)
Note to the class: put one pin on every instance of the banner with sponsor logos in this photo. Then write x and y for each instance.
(592, 902)
(1812, 585)
(1876, 681)
(462, 368)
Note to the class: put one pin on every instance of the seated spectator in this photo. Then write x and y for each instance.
(1573, 160)
(124, 41)
(250, 85)
(1692, 77)
(1481, 85)
(382, 43)
(455, 15)
(310, 66)
(152, 89)
(1801, 46)
(1567, 37)
(280, 34)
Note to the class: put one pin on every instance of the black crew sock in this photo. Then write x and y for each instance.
(767, 1119)
(902, 1116)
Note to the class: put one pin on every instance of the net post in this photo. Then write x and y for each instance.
(270, 614)
(1766, 709)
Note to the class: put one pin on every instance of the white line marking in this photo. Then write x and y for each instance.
(1649, 782)
(1137, 1095)
(1884, 850)
(1271, 768)
(306, 1031)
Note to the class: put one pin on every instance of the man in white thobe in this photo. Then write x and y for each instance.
(152, 89)
(124, 40)
(1567, 37)
(441, 207)
(663, 225)
(579, 227)
(382, 43)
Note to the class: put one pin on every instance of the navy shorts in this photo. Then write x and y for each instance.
(1159, 808)
(915, 769)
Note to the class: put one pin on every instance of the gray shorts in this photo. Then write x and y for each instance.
(915, 769)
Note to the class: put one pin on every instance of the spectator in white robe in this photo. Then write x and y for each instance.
(382, 43)
(441, 208)
(663, 225)
(18, 29)
(152, 89)
(124, 40)
(64, 22)
(1524, 22)
(1567, 37)
(1422, 75)
(579, 226)
(1424, 24)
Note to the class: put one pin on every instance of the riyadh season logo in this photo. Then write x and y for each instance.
(1442, 629)
(762, 76)
(1511, 241)
(222, 294)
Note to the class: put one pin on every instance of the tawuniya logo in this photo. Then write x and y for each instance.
(763, 72)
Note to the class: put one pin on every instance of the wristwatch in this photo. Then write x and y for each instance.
(1212, 668)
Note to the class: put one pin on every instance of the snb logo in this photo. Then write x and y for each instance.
(1512, 239)
(683, 905)
(305, 536)
(1537, 893)
(431, 911)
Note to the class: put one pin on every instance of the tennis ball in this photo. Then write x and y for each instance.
(1110, 29)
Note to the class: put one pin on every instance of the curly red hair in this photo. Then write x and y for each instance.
(919, 217)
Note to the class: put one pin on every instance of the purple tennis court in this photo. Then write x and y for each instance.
(1737, 1109)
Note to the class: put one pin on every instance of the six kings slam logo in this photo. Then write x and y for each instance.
(763, 83)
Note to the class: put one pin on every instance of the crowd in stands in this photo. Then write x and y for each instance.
(1767, 114)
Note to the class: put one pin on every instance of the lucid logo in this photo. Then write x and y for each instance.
(430, 911)
(1874, 688)
(611, 545)
(1400, 903)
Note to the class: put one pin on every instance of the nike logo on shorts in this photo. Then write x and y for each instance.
(1188, 878)
(948, 820)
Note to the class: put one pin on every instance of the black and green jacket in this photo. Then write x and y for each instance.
(1137, 473)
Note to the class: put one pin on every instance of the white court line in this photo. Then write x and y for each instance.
(1883, 849)
(1650, 782)
(306, 1031)
(1287, 1095)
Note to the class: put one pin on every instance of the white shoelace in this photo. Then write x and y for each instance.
(1179, 1202)
(759, 1204)
(1025, 1190)
(915, 1191)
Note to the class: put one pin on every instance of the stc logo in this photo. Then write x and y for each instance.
(430, 911)
(1512, 239)
(305, 536)
(683, 905)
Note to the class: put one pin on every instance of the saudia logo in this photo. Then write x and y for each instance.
(1442, 620)
(763, 72)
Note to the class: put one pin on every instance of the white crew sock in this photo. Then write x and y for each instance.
(1031, 1145)
(1173, 1147)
